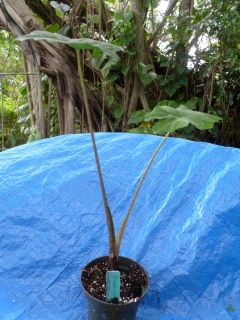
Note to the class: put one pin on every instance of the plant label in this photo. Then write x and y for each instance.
(113, 286)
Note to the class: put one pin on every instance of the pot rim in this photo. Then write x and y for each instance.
(119, 304)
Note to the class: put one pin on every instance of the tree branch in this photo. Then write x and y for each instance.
(142, 54)
(160, 25)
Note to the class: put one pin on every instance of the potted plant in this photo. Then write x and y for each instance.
(115, 285)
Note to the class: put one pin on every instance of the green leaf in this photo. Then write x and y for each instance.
(119, 111)
(109, 51)
(110, 100)
(81, 43)
(180, 69)
(200, 120)
(157, 113)
(169, 125)
(23, 91)
(106, 68)
(172, 88)
(97, 59)
(192, 103)
(137, 117)
(183, 81)
(148, 78)
(110, 79)
(125, 70)
(64, 30)
(145, 75)
(173, 119)
(54, 27)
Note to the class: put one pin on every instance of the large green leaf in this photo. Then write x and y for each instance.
(81, 43)
(169, 125)
(108, 50)
(157, 113)
(173, 119)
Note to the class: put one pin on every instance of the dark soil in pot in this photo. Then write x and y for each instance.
(133, 280)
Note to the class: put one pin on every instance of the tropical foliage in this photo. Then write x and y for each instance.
(175, 61)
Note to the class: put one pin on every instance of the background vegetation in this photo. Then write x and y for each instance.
(188, 54)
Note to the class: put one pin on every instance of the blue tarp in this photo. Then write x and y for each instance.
(185, 225)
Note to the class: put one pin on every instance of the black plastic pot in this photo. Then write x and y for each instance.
(100, 310)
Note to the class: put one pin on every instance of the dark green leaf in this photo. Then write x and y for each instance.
(110, 79)
(180, 69)
(110, 100)
(23, 91)
(125, 70)
(145, 75)
(54, 27)
(183, 81)
(119, 111)
(97, 59)
(137, 117)
(172, 88)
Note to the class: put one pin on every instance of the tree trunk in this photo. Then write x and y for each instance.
(36, 97)
(142, 54)
(185, 11)
(57, 61)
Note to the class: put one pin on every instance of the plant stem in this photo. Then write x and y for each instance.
(111, 232)
(124, 222)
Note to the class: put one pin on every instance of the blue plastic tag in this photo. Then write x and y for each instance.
(113, 286)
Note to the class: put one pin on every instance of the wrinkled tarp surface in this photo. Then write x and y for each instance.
(185, 225)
